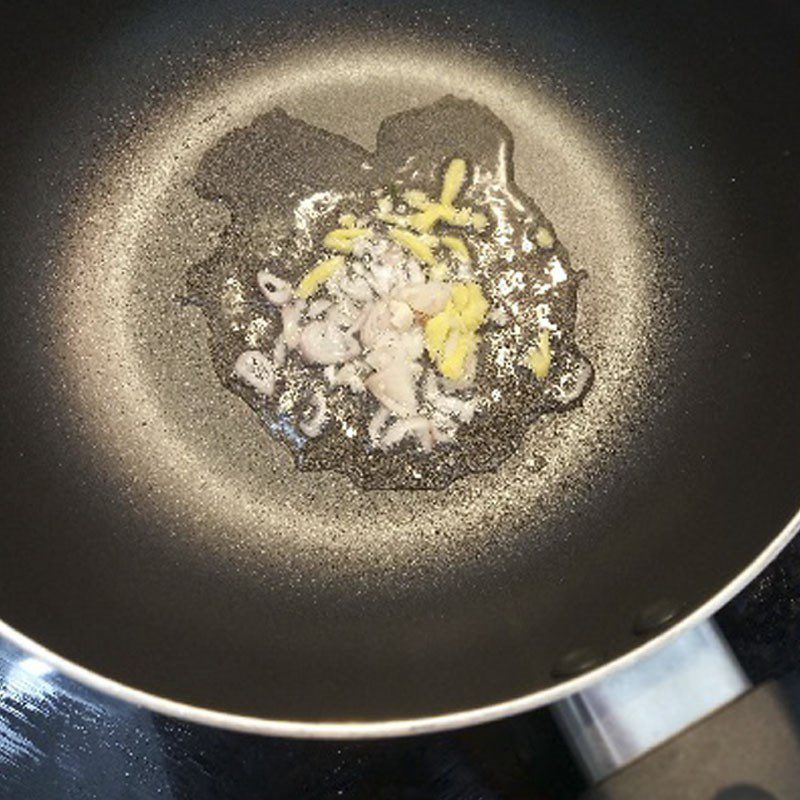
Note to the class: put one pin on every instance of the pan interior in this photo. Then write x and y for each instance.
(180, 445)
(151, 530)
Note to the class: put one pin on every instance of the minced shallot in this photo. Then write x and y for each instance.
(367, 332)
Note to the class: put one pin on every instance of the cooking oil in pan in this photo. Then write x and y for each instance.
(286, 183)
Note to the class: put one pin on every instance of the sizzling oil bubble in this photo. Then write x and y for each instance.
(286, 182)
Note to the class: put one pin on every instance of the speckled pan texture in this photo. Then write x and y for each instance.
(142, 380)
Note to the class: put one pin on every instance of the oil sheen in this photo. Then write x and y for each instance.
(285, 183)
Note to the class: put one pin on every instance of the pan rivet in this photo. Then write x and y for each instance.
(576, 662)
(655, 617)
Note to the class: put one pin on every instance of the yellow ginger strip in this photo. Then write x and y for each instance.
(428, 212)
(459, 347)
(453, 181)
(390, 218)
(423, 221)
(342, 239)
(460, 217)
(479, 221)
(544, 238)
(471, 304)
(414, 244)
(437, 329)
(540, 357)
(313, 279)
(416, 199)
(457, 246)
(451, 335)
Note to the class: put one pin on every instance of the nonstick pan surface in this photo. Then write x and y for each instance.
(155, 536)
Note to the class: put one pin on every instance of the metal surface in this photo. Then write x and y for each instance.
(747, 750)
(617, 720)
(155, 536)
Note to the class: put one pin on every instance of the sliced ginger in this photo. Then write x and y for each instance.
(416, 245)
(451, 336)
(539, 358)
(320, 274)
(342, 239)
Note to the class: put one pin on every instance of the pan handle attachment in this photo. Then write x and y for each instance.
(684, 722)
(617, 720)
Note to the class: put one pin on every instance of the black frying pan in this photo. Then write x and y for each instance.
(152, 533)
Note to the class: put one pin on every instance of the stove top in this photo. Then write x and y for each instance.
(61, 741)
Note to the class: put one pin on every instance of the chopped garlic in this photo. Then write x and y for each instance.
(401, 315)
(394, 294)
(257, 371)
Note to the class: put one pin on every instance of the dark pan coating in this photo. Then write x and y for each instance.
(149, 533)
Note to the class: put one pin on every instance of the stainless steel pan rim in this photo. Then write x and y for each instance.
(400, 727)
